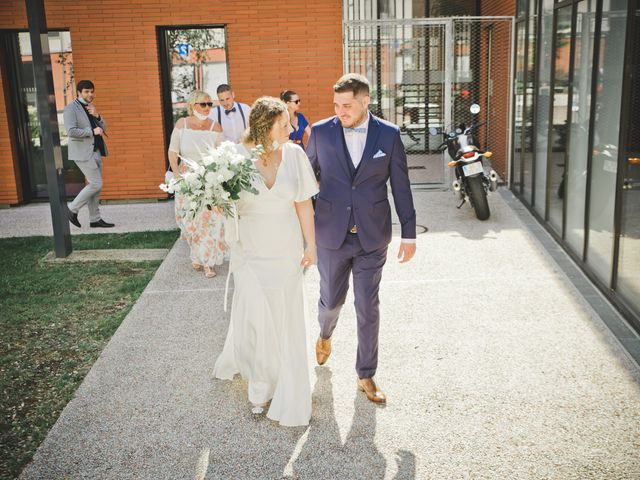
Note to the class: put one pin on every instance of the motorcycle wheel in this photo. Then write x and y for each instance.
(478, 197)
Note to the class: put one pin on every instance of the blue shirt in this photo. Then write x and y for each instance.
(298, 133)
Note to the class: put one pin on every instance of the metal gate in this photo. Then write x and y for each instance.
(427, 72)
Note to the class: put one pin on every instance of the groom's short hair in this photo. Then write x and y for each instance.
(352, 82)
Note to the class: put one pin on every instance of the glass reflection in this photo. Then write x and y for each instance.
(544, 97)
(63, 85)
(198, 61)
(606, 133)
(527, 148)
(629, 256)
(576, 185)
(519, 107)
(558, 137)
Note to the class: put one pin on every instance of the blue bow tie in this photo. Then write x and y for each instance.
(227, 112)
(356, 130)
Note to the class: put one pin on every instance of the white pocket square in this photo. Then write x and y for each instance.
(379, 154)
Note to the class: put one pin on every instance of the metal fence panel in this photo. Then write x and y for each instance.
(427, 72)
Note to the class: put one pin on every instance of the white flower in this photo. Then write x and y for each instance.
(205, 183)
(192, 180)
(227, 146)
(210, 179)
(236, 159)
(225, 173)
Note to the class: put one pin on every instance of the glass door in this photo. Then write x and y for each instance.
(604, 165)
(576, 173)
(558, 131)
(628, 283)
(542, 112)
(519, 92)
(191, 58)
(24, 114)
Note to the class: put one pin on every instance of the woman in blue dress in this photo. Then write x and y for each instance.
(298, 122)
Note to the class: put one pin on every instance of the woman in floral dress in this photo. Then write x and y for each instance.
(192, 138)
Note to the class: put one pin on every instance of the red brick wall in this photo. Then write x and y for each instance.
(10, 189)
(498, 142)
(270, 47)
(498, 8)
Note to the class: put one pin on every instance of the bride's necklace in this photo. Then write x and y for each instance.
(269, 162)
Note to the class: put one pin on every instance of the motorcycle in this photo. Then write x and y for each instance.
(471, 182)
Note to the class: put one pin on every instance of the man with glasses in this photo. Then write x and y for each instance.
(86, 130)
(232, 116)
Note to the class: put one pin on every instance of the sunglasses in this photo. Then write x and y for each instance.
(205, 104)
(295, 101)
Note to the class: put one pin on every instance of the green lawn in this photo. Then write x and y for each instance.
(55, 320)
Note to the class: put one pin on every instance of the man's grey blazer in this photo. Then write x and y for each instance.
(80, 132)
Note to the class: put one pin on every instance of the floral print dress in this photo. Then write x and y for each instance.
(205, 231)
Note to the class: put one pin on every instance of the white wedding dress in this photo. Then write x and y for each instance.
(267, 342)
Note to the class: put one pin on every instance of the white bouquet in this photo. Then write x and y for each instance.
(217, 181)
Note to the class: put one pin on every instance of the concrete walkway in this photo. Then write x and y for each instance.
(35, 219)
(495, 365)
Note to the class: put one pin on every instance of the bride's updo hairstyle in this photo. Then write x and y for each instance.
(264, 113)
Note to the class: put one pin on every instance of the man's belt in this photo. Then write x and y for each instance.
(353, 229)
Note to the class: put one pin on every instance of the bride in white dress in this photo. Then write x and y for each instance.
(267, 341)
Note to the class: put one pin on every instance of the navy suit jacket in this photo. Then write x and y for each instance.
(359, 196)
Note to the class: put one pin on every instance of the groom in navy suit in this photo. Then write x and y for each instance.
(354, 155)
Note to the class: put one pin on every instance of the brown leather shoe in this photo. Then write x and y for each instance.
(323, 350)
(374, 394)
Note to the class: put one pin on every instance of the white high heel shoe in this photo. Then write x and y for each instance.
(258, 408)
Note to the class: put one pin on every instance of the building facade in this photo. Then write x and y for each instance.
(144, 57)
(576, 147)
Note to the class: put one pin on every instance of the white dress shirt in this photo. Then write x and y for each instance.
(356, 141)
(232, 125)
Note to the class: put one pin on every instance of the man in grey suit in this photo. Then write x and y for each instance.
(86, 129)
(354, 155)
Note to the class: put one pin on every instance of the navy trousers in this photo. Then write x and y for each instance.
(335, 266)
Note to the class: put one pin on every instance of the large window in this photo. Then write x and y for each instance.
(586, 175)
(543, 99)
(519, 91)
(606, 138)
(629, 259)
(559, 117)
(24, 109)
(192, 59)
(528, 126)
(576, 175)
(385, 9)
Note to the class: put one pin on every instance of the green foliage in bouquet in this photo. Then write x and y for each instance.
(217, 181)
